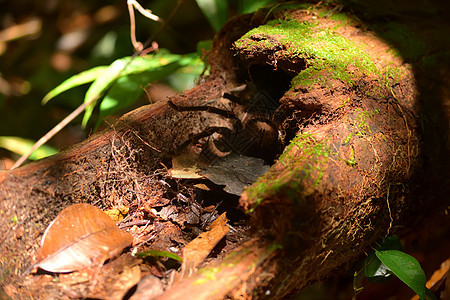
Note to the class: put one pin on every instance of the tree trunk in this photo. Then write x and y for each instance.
(351, 171)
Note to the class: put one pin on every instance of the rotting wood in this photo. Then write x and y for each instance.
(347, 178)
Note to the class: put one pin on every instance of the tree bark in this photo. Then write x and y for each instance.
(352, 170)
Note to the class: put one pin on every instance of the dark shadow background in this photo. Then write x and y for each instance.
(63, 38)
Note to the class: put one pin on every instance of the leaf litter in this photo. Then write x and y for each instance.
(168, 217)
(235, 172)
(81, 236)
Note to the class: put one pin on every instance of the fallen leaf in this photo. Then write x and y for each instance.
(235, 172)
(198, 249)
(439, 281)
(80, 236)
(202, 186)
(185, 173)
(184, 165)
(117, 278)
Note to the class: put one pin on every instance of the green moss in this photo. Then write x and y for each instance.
(352, 160)
(307, 162)
(207, 274)
(322, 49)
(309, 147)
(361, 120)
(393, 72)
(386, 79)
(14, 219)
(274, 247)
(347, 139)
(339, 17)
(326, 55)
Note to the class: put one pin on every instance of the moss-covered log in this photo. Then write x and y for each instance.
(348, 175)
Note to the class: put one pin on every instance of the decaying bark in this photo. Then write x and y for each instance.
(348, 176)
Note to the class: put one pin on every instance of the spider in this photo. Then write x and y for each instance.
(253, 133)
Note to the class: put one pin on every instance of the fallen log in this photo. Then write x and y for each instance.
(347, 114)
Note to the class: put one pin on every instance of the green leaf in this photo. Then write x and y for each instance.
(125, 79)
(430, 295)
(124, 93)
(375, 270)
(156, 253)
(406, 268)
(249, 6)
(390, 243)
(128, 89)
(101, 84)
(184, 78)
(150, 68)
(74, 81)
(216, 11)
(204, 45)
(21, 146)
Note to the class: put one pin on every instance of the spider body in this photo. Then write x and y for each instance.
(253, 132)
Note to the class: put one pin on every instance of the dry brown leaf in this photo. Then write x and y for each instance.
(80, 236)
(235, 172)
(197, 250)
(117, 278)
(202, 186)
(185, 173)
(184, 165)
(439, 281)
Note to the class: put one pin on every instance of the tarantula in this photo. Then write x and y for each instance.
(253, 133)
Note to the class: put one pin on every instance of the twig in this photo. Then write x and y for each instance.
(132, 223)
(52, 132)
(133, 4)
